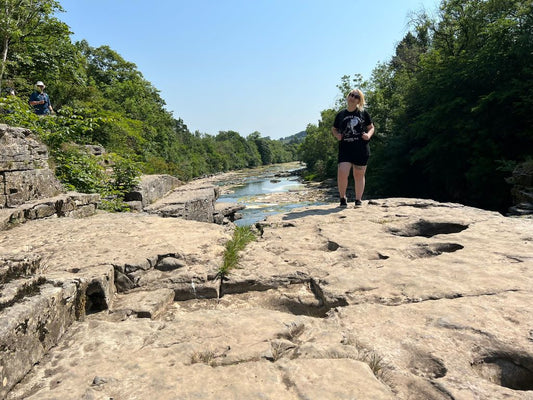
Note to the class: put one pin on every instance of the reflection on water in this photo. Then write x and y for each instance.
(252, 194)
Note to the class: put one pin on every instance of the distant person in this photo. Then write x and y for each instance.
(353, 128)
(40, 101)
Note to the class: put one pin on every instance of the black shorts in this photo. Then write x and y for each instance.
(356, 153)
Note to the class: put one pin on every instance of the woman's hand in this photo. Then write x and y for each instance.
(369, 132)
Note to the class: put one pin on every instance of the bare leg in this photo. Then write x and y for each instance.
(342, 177)
(359, 178)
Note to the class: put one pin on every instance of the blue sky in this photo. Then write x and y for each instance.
(246, 65)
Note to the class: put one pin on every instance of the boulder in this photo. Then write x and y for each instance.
(191, 202)
(152, 188)
(227, 212)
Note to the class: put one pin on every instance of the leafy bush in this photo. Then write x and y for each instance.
(79, 171)
(68, 125)
(74, 167)
(87, 173)
(125, 174)
(15, 112)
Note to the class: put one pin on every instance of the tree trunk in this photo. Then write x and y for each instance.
(4, 62)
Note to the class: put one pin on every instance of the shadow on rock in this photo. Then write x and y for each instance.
(307, 213)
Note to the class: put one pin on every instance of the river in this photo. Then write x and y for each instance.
(267, 191)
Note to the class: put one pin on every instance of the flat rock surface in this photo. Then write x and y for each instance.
(398, 299)
(143, 304)
(117, 239)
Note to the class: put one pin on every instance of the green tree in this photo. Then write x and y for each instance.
(347, 84)
(26, 25)
(263, 147)
(241, 154)
(386, 95)
(319, 148)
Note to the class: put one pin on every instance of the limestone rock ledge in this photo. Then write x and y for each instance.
(167, 196)
(24, 171)
(71, 204)
(28, 187)
(400, 299)
(152, 188)
(191, 202)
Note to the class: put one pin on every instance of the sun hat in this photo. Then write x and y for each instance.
(40, 83)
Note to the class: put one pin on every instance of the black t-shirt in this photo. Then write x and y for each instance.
(352, 124)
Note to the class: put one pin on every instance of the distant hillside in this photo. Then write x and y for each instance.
(296, 138)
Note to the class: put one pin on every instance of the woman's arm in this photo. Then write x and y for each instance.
(336, 133)
(369, 132)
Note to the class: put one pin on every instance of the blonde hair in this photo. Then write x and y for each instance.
(361, 104)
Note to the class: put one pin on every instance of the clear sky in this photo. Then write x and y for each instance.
(246, 65)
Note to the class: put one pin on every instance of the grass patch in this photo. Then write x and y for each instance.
(205, 357)
(279, 349)
(376, 362)
(293, 331)
(209, 357)
(241, 237)
(276, 349)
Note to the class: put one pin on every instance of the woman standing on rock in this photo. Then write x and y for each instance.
(353, 128)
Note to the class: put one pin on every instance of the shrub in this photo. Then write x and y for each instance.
(241, 237)
(79, 171)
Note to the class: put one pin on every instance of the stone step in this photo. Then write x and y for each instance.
(30, 328)
(17, 266)
(72, 204)
(17, 290)
(49, 305)
(143, 303)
